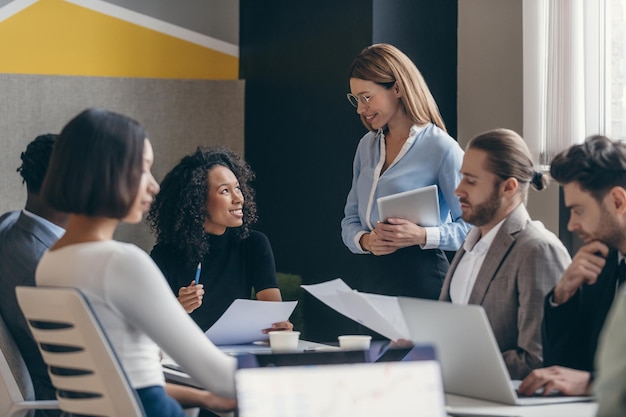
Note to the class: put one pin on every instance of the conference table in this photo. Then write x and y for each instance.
(465, 406)
(457, 406)
(174, 374)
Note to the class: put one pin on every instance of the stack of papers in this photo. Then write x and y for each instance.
(380, 313)
(244, 321)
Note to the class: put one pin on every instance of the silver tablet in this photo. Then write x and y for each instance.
(421, 206)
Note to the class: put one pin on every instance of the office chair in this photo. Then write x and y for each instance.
(17, 396)
(82, 365)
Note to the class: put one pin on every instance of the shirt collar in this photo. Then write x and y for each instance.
(413, 131)
(57, 230)
(473, 241)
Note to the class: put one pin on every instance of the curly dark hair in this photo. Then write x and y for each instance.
(180, 208)
(35, 160)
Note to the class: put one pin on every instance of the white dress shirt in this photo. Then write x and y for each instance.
(466, 271)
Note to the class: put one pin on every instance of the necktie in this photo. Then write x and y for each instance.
(621, 273)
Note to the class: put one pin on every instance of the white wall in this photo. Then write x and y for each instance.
(490, 82)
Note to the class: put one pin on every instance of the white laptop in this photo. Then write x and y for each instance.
(421, 206)
(471, 361)
(399, 389)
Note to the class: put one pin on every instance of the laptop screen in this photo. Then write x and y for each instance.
(390, 387)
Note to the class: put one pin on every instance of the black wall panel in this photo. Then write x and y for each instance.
(300, 131)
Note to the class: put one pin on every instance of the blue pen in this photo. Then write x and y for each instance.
(198, 272)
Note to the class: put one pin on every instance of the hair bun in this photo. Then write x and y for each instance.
(538, 180)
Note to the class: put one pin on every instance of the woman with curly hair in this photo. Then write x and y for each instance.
(202, 218)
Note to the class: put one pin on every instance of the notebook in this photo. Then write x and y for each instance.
(365, 389)
(421, 206)
(471, 361)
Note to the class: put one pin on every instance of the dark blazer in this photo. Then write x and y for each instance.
(571, 330)
(524, 261)
(23, 241)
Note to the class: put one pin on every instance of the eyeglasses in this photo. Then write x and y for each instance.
(354, 100)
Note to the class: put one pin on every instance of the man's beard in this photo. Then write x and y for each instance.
(485, 212)
(609, 231)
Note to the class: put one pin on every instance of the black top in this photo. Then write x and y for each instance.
(571, 330)
(230, 270)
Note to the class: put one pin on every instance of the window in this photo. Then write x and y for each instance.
(574, 73)
(616, 69)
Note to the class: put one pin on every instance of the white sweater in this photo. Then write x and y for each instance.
(139, 313)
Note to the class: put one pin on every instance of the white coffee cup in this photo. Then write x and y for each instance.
(355, 342)
(284, 341)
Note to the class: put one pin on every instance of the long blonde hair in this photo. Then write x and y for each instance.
(387, 66)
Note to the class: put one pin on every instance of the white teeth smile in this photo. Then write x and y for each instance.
(238, 211)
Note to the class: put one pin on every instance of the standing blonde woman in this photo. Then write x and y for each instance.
(407, 147)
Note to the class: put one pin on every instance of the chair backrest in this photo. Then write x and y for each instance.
(17, 396)
(82, 364)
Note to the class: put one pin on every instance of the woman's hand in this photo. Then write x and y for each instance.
(401, 343)
(192, 397)
(388, 237)
(281, 325)
(375, 244)
(191, 297)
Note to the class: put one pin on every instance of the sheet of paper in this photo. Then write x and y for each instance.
(244, 320)
(378, 312)
(364, 312)
(390, 307)
(328, 293)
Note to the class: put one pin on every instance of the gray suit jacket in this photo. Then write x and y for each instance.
(523, 263)
(23, 241)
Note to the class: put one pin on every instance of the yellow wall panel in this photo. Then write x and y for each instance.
(58, 38)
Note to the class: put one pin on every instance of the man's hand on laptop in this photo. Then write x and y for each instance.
(565, 381)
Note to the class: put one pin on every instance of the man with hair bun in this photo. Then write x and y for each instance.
(508, 262)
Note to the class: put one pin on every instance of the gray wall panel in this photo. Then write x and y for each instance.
(179, 115)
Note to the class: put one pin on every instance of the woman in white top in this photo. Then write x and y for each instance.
(99, 173)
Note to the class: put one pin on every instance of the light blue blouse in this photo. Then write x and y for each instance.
(429, 156)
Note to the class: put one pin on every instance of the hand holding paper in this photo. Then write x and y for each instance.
(380, 313)
(244, 321)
